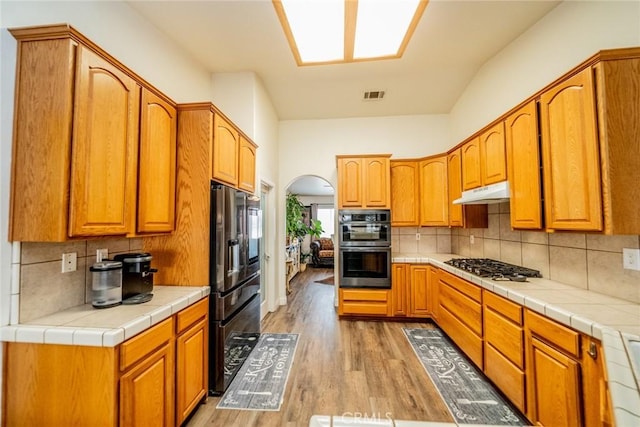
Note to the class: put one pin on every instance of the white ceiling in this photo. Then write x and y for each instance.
(452, 40)
(308, 185)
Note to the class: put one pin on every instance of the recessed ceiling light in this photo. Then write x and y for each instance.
(337, 31)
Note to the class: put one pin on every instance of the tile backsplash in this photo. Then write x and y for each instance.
(43, 289)
(587, 261)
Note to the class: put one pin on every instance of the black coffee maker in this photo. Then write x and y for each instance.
(137, 277)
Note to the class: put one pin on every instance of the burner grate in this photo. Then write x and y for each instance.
(486, 267)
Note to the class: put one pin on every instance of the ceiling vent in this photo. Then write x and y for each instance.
(373, 95)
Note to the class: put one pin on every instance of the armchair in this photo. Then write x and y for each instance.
(322, 252)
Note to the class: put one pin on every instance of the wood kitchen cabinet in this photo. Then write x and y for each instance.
(364, 302)
(434, 203)
(504, 347)
(157, 164)
(226, 146)
(484, 158)
(192, 363)
(76, 144)
(247, 165)
(400, 280)
(590, 151)
(364, 181)
(147, 382)
(420, 304)
(523, 160)
(553, 372)
(405, 193)
(460, 314)
(154, 378)
(467, 216)
(173, 254)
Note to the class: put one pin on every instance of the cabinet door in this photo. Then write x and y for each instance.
(350, 183)
(157, 165)
(454, 174)
(247, 166)
(471, 171)
(146, 391)
(572, 187)
(433, 292)
(104, 152)
(376, 183)
(405, 196)
(226, 143)
(419, 285)
(191, 369)
(400, 289)
(523, 157)
(554, 387)
(434, 209)
(493, 163)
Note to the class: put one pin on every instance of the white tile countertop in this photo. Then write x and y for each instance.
(611, 320)
(106, 327)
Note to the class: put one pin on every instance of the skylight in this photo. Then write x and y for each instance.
(336, 31)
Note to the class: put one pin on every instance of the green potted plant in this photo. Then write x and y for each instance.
(296, 228)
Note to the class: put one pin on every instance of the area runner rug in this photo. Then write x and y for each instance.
(262, 379)
(468, 394)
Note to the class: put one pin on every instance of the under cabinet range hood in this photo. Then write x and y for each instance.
(494, 193)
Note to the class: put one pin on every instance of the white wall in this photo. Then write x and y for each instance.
(569, 34)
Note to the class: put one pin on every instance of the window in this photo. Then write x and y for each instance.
(326, 216)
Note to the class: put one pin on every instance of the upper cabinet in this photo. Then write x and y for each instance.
(157, 164)
(95, 154)
(247, 165)
(234, 155)
(484, 159)
(571, 157)
(405, 194)
(523, 160)
(364, 181)
(591, 147)
(467, 216)
(77, 132)
(225, 151)
(434, 204)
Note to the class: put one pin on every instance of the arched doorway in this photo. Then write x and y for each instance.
(316, 197)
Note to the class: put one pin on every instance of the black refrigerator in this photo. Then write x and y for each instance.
(234, 312)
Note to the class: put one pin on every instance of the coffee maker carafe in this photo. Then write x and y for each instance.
(137, 277)
(106, 284)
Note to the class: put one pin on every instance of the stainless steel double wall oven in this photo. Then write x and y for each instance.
(365, 248)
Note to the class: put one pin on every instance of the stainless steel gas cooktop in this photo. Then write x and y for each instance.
(492, 269)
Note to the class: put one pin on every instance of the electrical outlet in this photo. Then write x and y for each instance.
(631, 259)
(417, 236)
(472, 239)
(69, 262)
(102, 254)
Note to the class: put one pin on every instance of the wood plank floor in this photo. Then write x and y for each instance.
(341, 367)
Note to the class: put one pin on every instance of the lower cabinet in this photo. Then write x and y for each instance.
(460, 314)
(420, 303)
(364, 302)
(504, 347)
(400, 280)
(153, 379)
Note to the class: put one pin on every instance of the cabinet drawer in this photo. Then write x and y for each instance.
(464, 308)
(465, 338)
(365, 308)
(506, 308)
(508, 377)
(504, 336)
(139, 346)
(554, 333)
(364, 295)
(469, 289)
(192, 314)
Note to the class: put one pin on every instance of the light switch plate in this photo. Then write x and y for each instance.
(631, 259)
